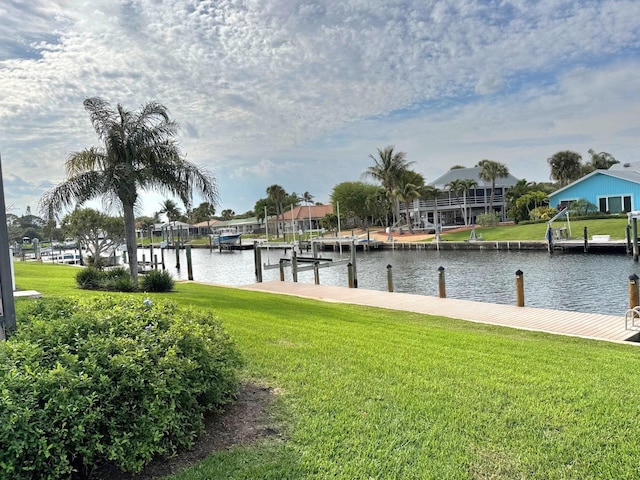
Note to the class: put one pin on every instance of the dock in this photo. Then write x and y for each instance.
(610, 328)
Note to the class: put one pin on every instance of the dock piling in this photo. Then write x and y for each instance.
(442, 291)
(519, 288)
(389, 278)
(634, 297)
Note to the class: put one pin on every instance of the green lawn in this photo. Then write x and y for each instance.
(615, 227)
(377, 394)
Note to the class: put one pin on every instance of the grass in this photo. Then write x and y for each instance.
(372, 393)
(615, 227)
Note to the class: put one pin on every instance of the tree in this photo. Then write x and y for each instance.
(566, 166)
(227, 214)
(466, 185)
(527, 203)
(138, 153)
(202, 213)
(307, 198)
(171, 210)
(378, 206)
(97, 232)
(352, 198)
(599, 161)
(455, 186)
(489, 172)
(387, 169)
(277, 195)
(407, 190)
(429, 192)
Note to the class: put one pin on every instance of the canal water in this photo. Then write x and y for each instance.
(596, 283)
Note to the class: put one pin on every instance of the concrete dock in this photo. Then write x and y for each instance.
(609, 328)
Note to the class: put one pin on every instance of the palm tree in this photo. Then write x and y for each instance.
(599, 161)
(466, 185)
(307, 198)
(566, 166)
(408, 190)
(387, 169)
(171, 210)
(489, 172)
(138, 152)
(455, 186)
(277, 195)
(429, 192)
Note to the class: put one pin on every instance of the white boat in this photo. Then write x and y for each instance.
(226, 236)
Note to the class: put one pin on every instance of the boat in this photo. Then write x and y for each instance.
(226, 236)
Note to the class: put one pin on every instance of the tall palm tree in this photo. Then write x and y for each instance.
(277, 195)
(490, 171)
(171, 210)
(138, 153)
(407, 190)
(387, 169)
(429, 192)
(455, 186)
(566, 166)
(466, 185)
(307, 198)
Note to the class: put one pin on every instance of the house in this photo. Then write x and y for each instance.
(302, 217)
(450, 207)
(239, 225)
(615, 190)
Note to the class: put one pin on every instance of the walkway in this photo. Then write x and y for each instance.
(588, 325)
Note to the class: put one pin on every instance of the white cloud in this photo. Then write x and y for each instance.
(256, 83)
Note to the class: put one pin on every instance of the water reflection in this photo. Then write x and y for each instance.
(579, 282)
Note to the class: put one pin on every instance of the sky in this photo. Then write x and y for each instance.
(300, 93)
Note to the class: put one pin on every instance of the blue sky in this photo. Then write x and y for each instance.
(299, 93)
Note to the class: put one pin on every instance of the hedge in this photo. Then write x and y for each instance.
(84, 382)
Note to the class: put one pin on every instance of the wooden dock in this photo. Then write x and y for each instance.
(609, 328)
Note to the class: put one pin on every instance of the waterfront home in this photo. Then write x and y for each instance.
(238, 225)
(451, 207)
(302, 218)
(615, 190)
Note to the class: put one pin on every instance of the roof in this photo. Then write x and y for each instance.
(303, 212)
(235, 222)
(627, 175)
(472, 173)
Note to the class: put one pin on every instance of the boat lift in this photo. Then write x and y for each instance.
(315, 262)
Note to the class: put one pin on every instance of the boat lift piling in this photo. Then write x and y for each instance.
(316, 262)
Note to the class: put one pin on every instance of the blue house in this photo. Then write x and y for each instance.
(614, 190)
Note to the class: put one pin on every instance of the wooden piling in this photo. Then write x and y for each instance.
(316, 272)
(634, 230)
(257, 259)
(189, 264)
(586, 240)
(281, 270)
(294, 265)
(519, 288)
(442, 291)
(350, 274)
(634, 299)
(177, 248)
(389, 278)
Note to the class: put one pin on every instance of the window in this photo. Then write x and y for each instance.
(615, 204)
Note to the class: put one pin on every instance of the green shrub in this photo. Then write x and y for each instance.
(488, 219)
(156, 281)
(89, 278)
(85, 382)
